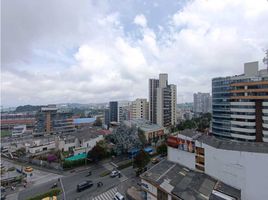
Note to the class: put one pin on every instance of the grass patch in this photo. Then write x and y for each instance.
(105, 173)
(125, 165)
(5, 133)
(51, 193)
(11, 169)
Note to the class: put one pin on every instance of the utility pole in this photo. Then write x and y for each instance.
(265, 59)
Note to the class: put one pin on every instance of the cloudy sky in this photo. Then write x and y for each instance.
(94, 51)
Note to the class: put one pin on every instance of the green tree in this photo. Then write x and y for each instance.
(142, 137)
(141, 160)
(97, 153)
(162, 149)
(98, 122)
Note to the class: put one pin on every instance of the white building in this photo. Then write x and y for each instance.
(242, 165)
(39, 146)
(202, 103)
(18, 130)
(140, 109)
(162, 101)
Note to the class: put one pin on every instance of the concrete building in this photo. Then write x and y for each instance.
(240, 105)
(113, 111)
(51, 121)
(40, 147)
(170, 181)
(8, 121)
(202, 103)
(153, 132)
(153, 85)
(140, 109)
(18, 130)
(242, 165)
(123, 113)
(162, 101)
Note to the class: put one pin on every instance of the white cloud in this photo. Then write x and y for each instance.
(140, 20)
(205, 39)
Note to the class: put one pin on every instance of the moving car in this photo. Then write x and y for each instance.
(155, 160)
(114, 173)
(28, 169)
(84, 185)
(118, 196)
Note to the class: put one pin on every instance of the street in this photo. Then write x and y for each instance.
(69, 184)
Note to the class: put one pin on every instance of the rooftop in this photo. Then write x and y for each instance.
(87, 133)
(187, 184)
(143, 124)
(84, 120)
(219, 143)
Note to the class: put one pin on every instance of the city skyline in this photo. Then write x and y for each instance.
(109, 51)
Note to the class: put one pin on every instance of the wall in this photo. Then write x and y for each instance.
(243, 170)
(92, 142)
(182, 157)
(152, 189)
(38, 149)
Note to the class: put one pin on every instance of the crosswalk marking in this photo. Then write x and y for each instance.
(108, 195)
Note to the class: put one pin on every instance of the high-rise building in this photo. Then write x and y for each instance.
(107, 117)
(162, 101)
(123, 113)
(113, 111)
(202, 103)
(240, 105)
(140, 109)
(50, 120)
(153, 85)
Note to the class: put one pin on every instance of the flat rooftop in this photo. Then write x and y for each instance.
(187, 184)
(143, 124)
(219, 143)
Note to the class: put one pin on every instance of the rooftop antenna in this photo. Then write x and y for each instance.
(265, 59)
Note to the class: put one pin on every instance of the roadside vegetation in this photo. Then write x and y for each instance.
(51, 193)
(5, 133)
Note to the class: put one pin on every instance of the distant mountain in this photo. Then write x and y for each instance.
(27, 108)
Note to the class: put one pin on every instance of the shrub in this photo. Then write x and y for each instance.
(125, 165)
(67, 164)
(51, 193)
(105, 173)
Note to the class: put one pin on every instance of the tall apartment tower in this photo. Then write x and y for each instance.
(162, 101)
(113, 111)
(140, 109)
(153, 85)
(202, 103)
(240, 105)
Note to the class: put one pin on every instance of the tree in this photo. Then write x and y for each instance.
(141, 160)
(97, 153)
(162, 149)
(142, 136)
(98, 122)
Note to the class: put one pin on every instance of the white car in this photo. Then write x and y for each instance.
(114, 173)
(118, 196)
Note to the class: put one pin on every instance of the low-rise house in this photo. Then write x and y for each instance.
(18, 130)
(153, 132)
(40, 146)
(88, 138)
(171, 181)
(66, 143)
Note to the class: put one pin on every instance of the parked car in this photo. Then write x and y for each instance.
(114, 173)
(118, 196)
(155, 160)
(84, 185)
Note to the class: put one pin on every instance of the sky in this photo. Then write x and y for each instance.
(88, 51)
